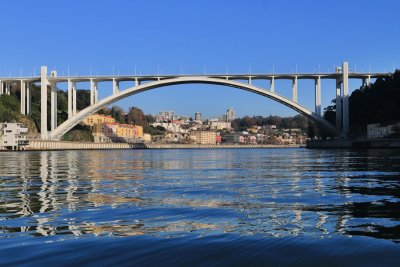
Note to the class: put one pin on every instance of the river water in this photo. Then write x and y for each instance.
(204, 207)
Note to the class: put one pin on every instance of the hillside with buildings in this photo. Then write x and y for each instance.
(10, 112)
(226, 129)
(106, 129)
(133, 126)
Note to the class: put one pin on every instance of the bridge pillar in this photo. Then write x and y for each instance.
(366, 80)
(294, 89)
(53, 107)
(272, 85)
(8, 89)
(28, 99)
(69, 98)
(115, 86)
(73, 98)
(318, 96)
(346, 123)
(23, 98)
(1, 87)
(338, 105)
(137, 82)
(96, 92)
(92, 93)
(43, 102)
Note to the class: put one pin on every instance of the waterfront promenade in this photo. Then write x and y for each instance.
(60, 145)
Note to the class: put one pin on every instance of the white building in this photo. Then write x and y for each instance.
(378, 131)
(230, 114)
(197, 116)
(13, 136)
(165, 116)
(170, 127)
(220, 125)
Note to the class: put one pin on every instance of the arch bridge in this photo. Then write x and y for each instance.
(150, 82)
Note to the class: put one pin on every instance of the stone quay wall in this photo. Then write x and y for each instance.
(65, 145)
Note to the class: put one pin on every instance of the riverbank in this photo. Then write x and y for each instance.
(358, 143)
(64, 145)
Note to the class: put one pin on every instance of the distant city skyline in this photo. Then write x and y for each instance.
(84, 37)
(228, 116)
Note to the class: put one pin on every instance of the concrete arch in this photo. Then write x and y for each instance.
(71, 122)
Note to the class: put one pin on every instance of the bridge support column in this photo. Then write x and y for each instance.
(318, 96)
(366, 81)
(294, 89)
(53, 107)
(272, 85)
(92, 93)
(338, 105)
(28, 99)
(346, 123)
(23, 98)
(115, 86)
(96, 92)
(1, 88)
(8, 89)
(73, 98)
(43, 102)
(69, 98)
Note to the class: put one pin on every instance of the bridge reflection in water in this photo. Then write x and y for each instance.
(268, 192)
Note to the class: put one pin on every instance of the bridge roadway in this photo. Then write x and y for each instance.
(147, 82)
(147, 78)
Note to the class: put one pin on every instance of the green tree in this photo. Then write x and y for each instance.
(82, 99)
(374, 103)
(118, 114)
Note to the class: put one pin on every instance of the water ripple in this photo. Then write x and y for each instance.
(284, 195)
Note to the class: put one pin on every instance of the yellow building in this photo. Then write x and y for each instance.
(146, 137)
(130, 131)
(105, 132)
(115, 132)
(105, 129)
(97, 119)
(205, 137)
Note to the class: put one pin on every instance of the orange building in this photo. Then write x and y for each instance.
(204, 137)
(97, 119)
(105, 129)
(105, 132)
(130, 131)
(115, 132)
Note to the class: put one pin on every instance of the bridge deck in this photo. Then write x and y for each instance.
(120, 78)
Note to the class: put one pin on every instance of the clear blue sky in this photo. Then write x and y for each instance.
(218, 35)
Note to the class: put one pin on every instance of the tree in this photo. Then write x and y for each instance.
(82, 99)
(330, 113)
(9, 108)
(374, 103)
(136, 116)
(118, 114)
